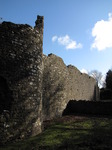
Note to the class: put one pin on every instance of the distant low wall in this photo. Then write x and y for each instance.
(88, 107)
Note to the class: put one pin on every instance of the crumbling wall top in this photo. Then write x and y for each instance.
(39, 23)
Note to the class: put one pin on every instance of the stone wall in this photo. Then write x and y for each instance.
(81, 86)
(21, 77)
(55, 79)
(62, 83)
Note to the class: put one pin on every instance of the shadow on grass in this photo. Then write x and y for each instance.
(89, 134)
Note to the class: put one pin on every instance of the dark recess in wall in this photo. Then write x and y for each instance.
(6, 97)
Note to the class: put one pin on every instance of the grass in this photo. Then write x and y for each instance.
(70, 133)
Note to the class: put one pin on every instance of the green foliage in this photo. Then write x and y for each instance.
(85, 134)
(109, 80)
(105, 94)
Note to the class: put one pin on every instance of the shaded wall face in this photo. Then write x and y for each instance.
(54, 86)
(21, 67)
(62, 83)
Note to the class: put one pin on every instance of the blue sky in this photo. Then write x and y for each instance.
(79, 31)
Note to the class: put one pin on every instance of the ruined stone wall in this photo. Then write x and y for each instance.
(34, 87)
(21, 69)
(55, 79)
(62, 83)
(81, 86)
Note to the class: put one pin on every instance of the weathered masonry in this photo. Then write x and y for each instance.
(34, 87)
(62, 83)
(21, 78)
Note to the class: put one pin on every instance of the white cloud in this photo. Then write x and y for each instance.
(67, 42)
(73, 45)
(64, 40)
(84, 71)
(54, 38)
(102, 32)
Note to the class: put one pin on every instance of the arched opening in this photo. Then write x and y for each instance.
(5, 95)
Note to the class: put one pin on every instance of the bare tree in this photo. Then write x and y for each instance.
(98, 77)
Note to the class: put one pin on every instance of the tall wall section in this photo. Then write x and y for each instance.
(62, 83)
(55, 80)
(21, 79)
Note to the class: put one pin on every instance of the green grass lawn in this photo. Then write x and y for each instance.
(70, 133)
